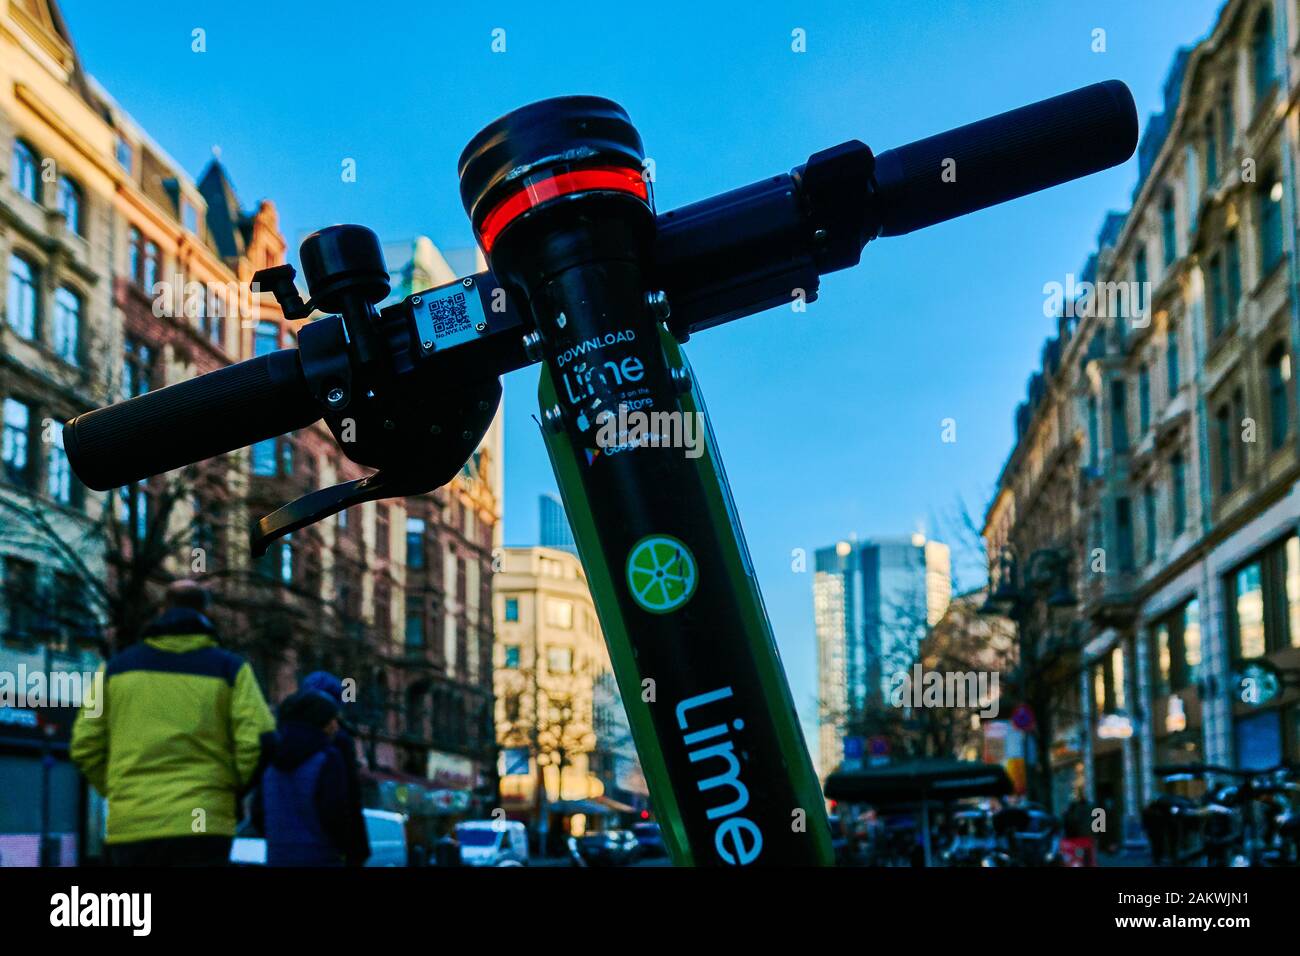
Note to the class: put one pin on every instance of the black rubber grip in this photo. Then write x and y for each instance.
(1005, 156)
(192, 420)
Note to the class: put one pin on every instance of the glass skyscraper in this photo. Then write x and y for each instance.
(873, 602)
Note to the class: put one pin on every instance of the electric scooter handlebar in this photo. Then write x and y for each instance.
(190, 421)
(1005, 157)
(725, 257)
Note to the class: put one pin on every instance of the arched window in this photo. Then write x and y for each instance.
(21, 302)
(26, 175)
(1268, 207)
(67, 325)
(1279, 402)
(1261, 54)
(70, 204)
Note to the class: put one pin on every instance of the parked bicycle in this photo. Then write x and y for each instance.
(1244, 818)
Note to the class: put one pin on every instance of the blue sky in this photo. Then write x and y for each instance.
(829, 421)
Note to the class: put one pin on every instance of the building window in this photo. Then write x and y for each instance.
(1261, 55)
(17, 442)
(266, 338)
(1149, 513)
(1176, 649)
(1227, 118)
(135, 255)
(67, 324)
(122, 150)
(1268, 200)
(277, 563)
(1144, 399)
(1218, 301)
(25, 171)
(559, 614)
(559, 660)
(1178, 481)
(189, 216)
(1223, 428)
(1263, 599)
(1233, 255)
(414, 630)
(152, 266)
(1279, 402)
(137, 367)
(1119, 416)
(415, 529)
(1161, 660)
(21, 301)
(265, 462)
(1119, 685)
(1124, 526)
(59, 483)
(1169, 229)
(216, 319)
(512, 609)
(1171, 358)
(71, 205)
(1094, 440)
(512, 657)
(1247, 609)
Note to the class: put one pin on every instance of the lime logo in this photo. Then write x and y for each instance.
(661, 573)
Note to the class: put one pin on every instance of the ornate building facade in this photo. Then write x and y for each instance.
(1157, 448)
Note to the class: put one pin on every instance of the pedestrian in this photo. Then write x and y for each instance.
(302, 805)
(357, 843)
(173, 731)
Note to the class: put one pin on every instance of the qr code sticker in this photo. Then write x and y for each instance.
(450, 315)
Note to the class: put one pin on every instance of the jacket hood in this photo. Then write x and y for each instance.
(180, 620)
(297, 743)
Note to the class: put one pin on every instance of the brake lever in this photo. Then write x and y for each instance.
(323, 502)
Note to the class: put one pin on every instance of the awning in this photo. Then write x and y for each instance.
(914, 781)
(593, 807)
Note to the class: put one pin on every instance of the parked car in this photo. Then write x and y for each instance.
(649, 840)
(493, 843)
(386, 830)
(607, 848)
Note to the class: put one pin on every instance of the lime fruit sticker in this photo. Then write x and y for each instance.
(660, 573)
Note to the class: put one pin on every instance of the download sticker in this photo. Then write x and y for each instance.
(660, 573)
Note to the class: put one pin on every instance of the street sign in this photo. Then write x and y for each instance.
(1022, 718)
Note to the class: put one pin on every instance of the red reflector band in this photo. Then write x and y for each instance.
(532, 195)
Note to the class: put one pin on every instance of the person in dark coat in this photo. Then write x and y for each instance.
(357, 843)
(302, 804)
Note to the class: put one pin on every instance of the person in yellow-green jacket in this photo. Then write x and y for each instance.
(173, 735)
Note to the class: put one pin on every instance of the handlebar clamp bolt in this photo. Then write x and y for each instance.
(533, 347)
(336, 396)
(658, 303)
(681, 377)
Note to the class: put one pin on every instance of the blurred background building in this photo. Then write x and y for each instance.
(874, 601)
(1157, 447)
(123, 274)
(567, 760)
